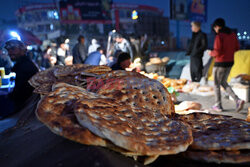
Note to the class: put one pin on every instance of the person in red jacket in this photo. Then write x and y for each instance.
(225, 45)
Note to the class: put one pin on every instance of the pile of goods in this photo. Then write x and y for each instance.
(134, 115)
(177, 84)
(196, 88)
(157, 61)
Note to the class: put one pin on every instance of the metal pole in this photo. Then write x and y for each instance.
(178, 34)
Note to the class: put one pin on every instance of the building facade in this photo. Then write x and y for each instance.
(139, 19)
(44, 21)
(41, 19)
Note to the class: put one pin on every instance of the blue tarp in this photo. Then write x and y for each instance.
(177, 61)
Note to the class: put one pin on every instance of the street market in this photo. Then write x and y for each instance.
(112, 83)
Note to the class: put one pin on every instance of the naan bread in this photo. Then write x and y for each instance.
(139, 92)
(43, 89)
(56, 112)
(217, 132)
(73, 74)
(70, 70)
(44, 77)
(137, 130)
(122, 73)
(222, 156)
(98, 69)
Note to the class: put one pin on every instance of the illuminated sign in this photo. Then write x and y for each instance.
(134, 15)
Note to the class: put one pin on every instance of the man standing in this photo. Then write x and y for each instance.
(61, 54)
(225, 45)
(196, 49)
(24, 69)
(122, 45)
(93, 47)
(79, 51)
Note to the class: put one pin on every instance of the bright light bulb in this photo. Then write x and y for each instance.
(238, 34)
(245, 33)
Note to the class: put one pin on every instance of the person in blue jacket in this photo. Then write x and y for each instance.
(94, 58)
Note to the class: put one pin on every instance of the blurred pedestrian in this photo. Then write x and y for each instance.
(79, 51)
(104, 60)
(5, 62)
(61, 54)
(225, 45)
(24, 68)
(93, 47)
(122, 44)
(47, 58)
(123, 61)
(196, 50)
(135, 44)
(94, 58)
(145, 50)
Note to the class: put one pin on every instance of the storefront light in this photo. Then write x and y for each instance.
(56, 15)
(14, 34)
(238, 34)
(134, 15)
(51, 27)
(245, 33)
(29, 47)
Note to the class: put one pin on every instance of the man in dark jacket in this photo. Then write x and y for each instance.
(24, 69)
(196, 49)
(79, 51)
(225, 45)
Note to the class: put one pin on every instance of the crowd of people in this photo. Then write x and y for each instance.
(119, 54)
(95, 53)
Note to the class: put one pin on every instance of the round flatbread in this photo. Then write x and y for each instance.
(137, 130)
(139, 92)
(217, 132)
(44, 77)
(121, 73)
(70, 70)
(55, 111)
(238, 156)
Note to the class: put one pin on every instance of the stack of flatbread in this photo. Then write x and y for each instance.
(73, 74)
(129, 113)
(218, 138)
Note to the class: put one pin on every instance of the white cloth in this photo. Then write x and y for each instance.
(103, 60)
(61, 52)
(93, 48)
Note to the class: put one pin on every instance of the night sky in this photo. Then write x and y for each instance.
(235, 12)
